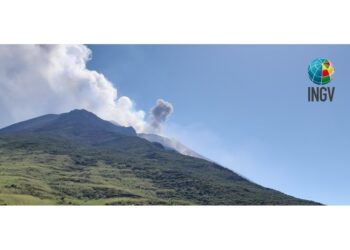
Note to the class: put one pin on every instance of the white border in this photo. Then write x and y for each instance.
(180, 21)
(201, 227)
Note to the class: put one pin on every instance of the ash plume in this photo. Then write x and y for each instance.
(159, 114)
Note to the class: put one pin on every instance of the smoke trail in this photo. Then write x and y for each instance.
(37, 80)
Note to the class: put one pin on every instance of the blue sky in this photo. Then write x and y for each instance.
(245, 106)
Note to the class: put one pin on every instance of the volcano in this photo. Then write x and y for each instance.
(77, 158)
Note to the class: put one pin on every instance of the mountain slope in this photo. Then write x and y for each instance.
(77, 123)
(78, 158)
(171, 144)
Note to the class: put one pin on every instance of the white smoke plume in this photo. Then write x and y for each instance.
(41, 79)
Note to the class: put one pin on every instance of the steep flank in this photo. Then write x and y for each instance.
(78, 158)
(171, 144)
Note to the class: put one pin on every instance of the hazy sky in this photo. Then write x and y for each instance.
(246, 107)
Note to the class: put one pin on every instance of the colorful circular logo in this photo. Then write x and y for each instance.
(321, 71)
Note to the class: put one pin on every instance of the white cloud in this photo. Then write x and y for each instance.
(37, 80)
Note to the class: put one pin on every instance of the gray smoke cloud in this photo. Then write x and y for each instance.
(159, 114)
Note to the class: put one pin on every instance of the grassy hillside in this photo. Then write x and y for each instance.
(82, 161)
(47, 170)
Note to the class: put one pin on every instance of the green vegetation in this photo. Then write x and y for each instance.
(46, 170)
(84, 164)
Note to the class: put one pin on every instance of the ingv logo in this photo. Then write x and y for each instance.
(321, 72)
